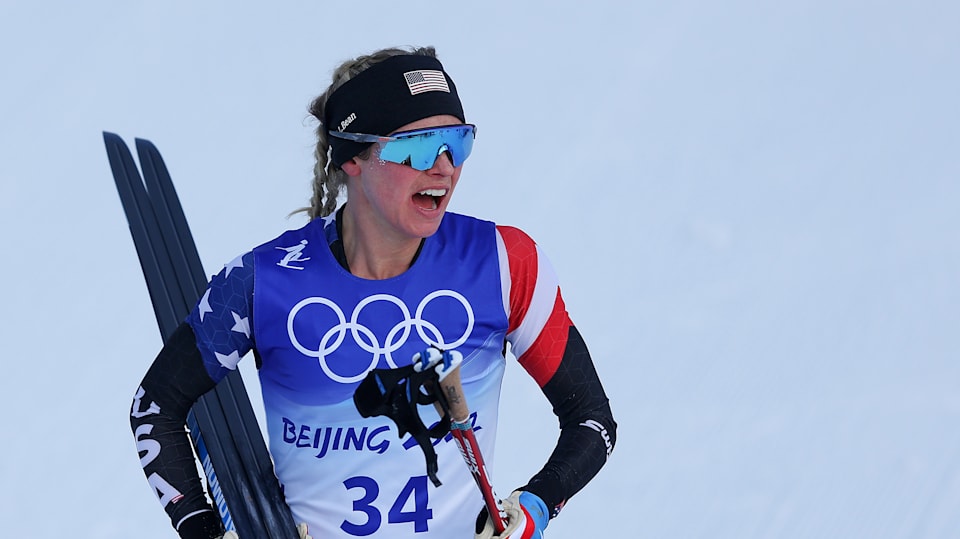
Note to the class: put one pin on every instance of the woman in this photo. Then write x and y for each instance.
(370, 286)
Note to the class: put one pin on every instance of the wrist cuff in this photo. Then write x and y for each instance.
(536, 508)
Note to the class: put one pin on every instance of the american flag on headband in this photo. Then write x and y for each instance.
(426, 80)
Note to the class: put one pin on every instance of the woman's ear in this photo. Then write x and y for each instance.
(351, 167)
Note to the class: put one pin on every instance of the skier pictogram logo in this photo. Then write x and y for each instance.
(294, 254)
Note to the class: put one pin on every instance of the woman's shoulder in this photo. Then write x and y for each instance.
(511, 237)
(307, 232)
(458, 224)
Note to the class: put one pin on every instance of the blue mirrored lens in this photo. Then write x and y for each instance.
(420, 149)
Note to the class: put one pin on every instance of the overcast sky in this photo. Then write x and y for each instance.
(752, 207)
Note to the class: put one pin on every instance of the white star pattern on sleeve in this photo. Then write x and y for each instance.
(204, 305)
(235, 263)
(230, 360)
(221, 319)
(241, 325)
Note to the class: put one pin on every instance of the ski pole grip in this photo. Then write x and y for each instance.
(456, 400)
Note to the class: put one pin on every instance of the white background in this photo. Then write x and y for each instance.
(754, 209)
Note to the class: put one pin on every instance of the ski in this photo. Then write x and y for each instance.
(225, 433)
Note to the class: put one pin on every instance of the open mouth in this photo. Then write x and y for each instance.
(429, 199)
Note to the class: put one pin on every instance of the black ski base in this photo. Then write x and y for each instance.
(222, 424)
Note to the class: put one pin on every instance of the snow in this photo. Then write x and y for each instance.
(751, 207)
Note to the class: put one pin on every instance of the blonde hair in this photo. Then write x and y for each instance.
(329, 179)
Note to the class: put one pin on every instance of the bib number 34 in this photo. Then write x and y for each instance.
(410, 506)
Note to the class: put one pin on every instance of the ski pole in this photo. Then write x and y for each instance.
(462, 433)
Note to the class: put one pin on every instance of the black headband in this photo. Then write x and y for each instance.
(386, 96)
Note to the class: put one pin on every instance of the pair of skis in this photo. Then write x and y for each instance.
(240, 476)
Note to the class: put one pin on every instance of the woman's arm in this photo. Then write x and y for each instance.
(552, 351)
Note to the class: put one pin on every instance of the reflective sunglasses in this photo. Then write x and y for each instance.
(420, 148)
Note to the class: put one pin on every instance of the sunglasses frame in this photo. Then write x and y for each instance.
(383, 139)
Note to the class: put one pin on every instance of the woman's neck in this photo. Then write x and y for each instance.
(371, 254)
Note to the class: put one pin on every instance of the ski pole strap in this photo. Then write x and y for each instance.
(396, 393)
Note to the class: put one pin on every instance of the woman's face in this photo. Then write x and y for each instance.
(404, 203)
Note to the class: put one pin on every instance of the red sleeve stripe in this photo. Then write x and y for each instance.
(533, 289)
(540, 306)
(543, 358)
(518, 273)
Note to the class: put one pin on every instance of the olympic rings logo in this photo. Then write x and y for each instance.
(366, 339)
